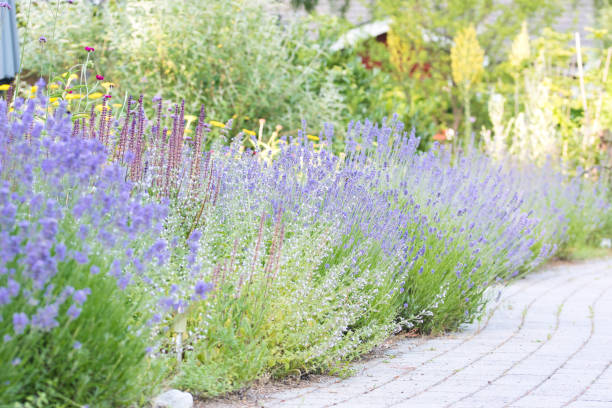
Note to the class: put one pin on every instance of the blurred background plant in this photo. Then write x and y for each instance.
(466, 68)
(233, 55)
(558, 107)
(246, 63)
(427, 33)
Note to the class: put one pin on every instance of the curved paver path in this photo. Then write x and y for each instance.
(546, 343)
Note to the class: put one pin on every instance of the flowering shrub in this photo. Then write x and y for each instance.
(75, 245)
(240, 265)
(319, 257)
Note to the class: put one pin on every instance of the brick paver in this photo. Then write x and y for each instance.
(546, 343)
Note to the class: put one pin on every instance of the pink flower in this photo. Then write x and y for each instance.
(89, 49)
(99, 77)
(107, 96)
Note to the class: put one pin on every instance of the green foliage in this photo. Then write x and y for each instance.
(98, 358)
(325, 298)
(233, 56)
(309, 5)
(306, 316)
(428, 29)
(433, 26)
(541, 110)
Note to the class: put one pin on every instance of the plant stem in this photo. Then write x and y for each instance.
(468, 117)
(516, 95)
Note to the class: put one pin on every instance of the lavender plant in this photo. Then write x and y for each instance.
(76, 246)
(249, 265)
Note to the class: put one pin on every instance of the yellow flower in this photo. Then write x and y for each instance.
(190, 118)
(401, 52)
(520, 47)
(219, 45)
(53, 86)
(467, 58)
(96, 95)
(72, 76)
(313, 137)
(117, 105)
(4, 87)
(99, 107)
(74, 96)
(188, 131)
(107, 85)
(235, 116)
(249, 132)
(34, 89)
(217, 124)
(53, 99)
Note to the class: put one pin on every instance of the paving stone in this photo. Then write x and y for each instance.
(589, 404)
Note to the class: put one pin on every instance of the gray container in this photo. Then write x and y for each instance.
(9, 43)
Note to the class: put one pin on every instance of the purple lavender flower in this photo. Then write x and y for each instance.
(201, 288)
(13, 287)
(80, 296)
(80, 257)
(73, 312)
(49, 227)
(60, 251)
(20, 322)
(124, 281)
(5, 296)
(45, 318)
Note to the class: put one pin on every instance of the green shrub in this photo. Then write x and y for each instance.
(233, 56)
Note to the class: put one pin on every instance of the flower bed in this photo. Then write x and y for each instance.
(133, 255)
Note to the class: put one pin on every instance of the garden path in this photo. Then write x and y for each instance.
(546, 343)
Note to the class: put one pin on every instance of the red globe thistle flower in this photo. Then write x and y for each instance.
(99, 77)
(89, 49)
